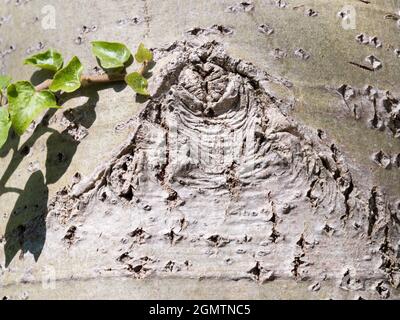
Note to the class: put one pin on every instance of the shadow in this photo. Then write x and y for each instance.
(148, 73)
(141, 99)
(129, 62)
(41, 75)
(118, 87)
(24, 150)
(60, 152)
(61, 147)
(26, 227)
(11, 143)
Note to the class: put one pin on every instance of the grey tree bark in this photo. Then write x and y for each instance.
(265, 165)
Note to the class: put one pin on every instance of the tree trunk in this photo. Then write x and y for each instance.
(266, 162)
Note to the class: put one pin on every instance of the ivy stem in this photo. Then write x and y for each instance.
(142, 69)
(86, 80)
(92, 79)
(103, 78)
(44, 85)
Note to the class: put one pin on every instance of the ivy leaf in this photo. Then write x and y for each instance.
(25, 104)
(68, 79)
(111, 54)
(143, 54)
(4, 81)
(49, 60)
(5, 125)
(137, 82)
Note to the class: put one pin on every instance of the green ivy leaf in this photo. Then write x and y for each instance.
(4, 81)
(49, 60)
(25, 104)
(68, 79)
(137, 82)
(143, 54)
(111, 54)
(5, 125)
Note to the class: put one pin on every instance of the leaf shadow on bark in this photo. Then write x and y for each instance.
(41, 75)
(26, 227)
(62, 146)
(20, 153)
(11, 144)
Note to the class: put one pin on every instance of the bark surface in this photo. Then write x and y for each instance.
(265, 164)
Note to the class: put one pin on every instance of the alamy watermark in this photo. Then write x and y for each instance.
(48, 20)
